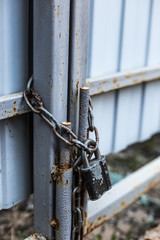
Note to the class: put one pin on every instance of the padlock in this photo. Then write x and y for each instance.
(95, 173)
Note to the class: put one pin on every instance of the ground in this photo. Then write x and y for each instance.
(134, 223)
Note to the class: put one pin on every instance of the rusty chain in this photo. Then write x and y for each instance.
(35, 103)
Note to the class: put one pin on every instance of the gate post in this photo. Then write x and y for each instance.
(78, 61)
(50, 75)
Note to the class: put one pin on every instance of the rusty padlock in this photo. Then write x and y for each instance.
(95, 173)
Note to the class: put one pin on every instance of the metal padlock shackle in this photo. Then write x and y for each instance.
(84, 153)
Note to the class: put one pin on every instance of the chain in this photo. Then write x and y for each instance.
(76, 202)
(34, 101)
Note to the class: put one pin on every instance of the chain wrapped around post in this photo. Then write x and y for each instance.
(34, 101)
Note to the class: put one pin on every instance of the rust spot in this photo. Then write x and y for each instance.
(67, 182)
(128, 76)
(59, 35)
(0, 106)
(14, 109)
(58, 10)
(59, 175)
(104, 82)
(15, 114)
(93, 225)
(77, 87)
(50, 181)
(115, 80)
(55, 223)
(85, 219)
(14, 102)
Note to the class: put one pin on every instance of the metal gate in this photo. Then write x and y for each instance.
(115, 45)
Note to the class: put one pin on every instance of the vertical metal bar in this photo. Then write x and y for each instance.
(64, 192)
(83, 125)
(78, 56)
(51, 40)
(79, 23)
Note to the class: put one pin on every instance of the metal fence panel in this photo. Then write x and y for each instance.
(126, 40)
(15, 171)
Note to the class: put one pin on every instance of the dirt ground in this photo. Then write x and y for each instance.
(134, 223)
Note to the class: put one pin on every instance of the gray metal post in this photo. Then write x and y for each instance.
(83, 125)
(64, 191)
(78, 56)
(51, 40)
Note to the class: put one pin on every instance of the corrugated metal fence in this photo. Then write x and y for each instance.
(125, 35)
